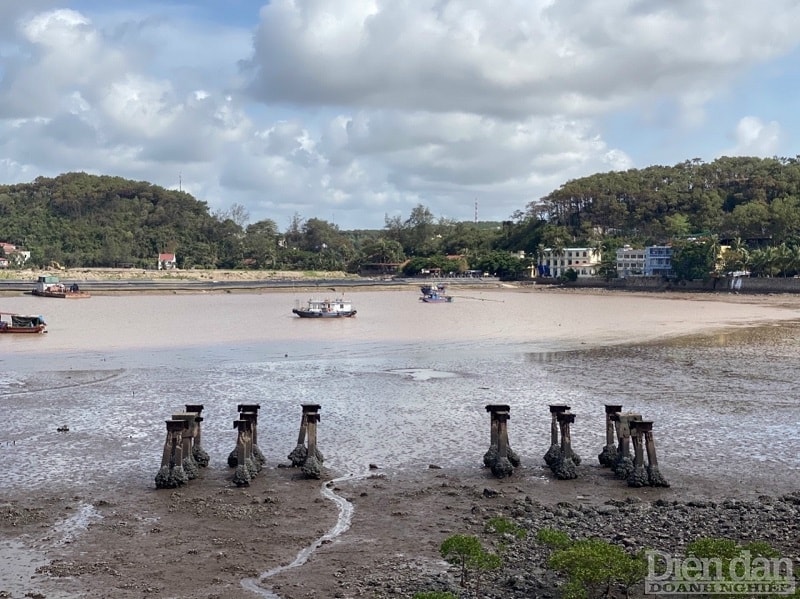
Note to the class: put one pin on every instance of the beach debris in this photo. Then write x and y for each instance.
(566, 466)
(608, 455)
(500, 457)
(642, 438)
(190, 466)
(299, 454)
(623, 466)
(245, 468)
(553, 455)
(63, 429)
(198, 453)
(312, 467)
(249, 412)
(171, 474)
(490, 458)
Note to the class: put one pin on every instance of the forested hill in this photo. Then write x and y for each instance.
(87, 220)
(745, 198)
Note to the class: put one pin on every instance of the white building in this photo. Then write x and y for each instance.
(630, 261)
(584, 261)
(658, 260)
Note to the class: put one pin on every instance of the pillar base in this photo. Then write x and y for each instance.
(655, 478)
(490, 457)
(241, 478)
(608, 456)
(638, 477)
(623, 467)
(553, 455)
(565, 469)
(190, 467)
(200, 456)
(170, 478)
(502, 467)
(312, 468)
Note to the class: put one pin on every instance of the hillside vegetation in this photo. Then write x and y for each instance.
(81, 220)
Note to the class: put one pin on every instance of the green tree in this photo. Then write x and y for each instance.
(692, 260)
(467, 553)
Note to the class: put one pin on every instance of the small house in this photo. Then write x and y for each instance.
(167, 262)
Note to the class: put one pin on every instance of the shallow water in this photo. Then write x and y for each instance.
(402, 385)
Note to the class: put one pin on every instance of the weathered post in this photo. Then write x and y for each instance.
(565, 468)
(254, 462)
(491, 454)
(242, 476)
(502, 466)
(655, 478)
(252, 411)
(608, 455)
(299, 454)
(624, 464)
(187, 443)
(198, 453)
(554, 453)
(312, 467)
(171, 474)
(638, 475)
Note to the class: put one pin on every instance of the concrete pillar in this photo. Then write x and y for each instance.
(312, 467)
(198, 453)
(502, 466)
(256, 457)
(171, 474)
(624, 464)
(187, 441)
(491, 455)
(565, 468)
(638, 476)
(299, 454)
(655, 478)
(608, 455)
(242, 475)
(553, 454)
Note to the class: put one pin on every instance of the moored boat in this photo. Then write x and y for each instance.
(325, 308)
(21, 323)
(50, 286)
(435, 294)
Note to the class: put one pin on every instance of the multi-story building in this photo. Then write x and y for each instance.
(630, 261)
(584, 261)
(658, 260)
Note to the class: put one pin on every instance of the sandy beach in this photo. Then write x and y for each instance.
(211, 539)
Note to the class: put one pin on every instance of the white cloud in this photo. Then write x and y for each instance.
(370, 107)
(754, 137)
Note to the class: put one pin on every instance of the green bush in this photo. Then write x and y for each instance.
(503, 526)
(434, 595)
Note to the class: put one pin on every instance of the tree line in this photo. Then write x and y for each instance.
(751, 205)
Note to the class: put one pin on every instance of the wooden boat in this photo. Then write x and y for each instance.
(435, 294)
(50, 286)
(22, 324)
(325, 308)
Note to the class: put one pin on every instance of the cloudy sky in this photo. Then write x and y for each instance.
(354, 111)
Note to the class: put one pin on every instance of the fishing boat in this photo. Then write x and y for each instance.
(435, 294)
(21, 323)
(325, 308)
(50, 286)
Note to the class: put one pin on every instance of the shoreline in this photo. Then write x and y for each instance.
(203, 539)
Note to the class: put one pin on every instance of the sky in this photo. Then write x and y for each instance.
(354, 112)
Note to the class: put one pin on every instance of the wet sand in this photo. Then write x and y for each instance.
(204, 539)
